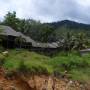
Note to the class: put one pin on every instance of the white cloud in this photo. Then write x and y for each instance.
(48, 10)
(85, 3)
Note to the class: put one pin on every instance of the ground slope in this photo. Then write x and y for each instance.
(26, 70)
(35, 82)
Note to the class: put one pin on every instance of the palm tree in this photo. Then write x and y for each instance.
(72, 41)
(67, 41)
(81, 41)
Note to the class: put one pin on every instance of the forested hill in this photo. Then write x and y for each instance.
(45, 32)
(69, 24)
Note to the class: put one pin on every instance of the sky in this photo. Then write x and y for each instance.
(48, 10)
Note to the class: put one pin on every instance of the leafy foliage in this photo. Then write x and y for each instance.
(39, 64)
(70, 34)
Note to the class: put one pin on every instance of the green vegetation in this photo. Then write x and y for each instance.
(46, 32)
(2, 59)
(70, 35)
(67, 37)
(77, 67)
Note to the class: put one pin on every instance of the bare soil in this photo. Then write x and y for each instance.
(38, 82)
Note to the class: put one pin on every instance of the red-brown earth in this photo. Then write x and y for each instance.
(38, 82)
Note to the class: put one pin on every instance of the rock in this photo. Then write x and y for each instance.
(5, 53)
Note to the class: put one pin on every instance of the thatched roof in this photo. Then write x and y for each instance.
(6, 30)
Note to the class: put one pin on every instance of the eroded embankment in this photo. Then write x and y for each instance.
(19, 81)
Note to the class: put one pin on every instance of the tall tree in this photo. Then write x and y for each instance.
(11, 20)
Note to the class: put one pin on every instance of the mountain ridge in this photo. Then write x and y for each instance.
(69, 24)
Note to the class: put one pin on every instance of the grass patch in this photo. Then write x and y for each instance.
(77, 66)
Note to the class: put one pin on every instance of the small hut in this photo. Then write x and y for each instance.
(8, 35)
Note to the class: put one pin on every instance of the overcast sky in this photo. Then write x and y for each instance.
(48, 10)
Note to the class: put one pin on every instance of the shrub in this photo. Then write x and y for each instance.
(2, 59)
(38, 70)
(22, 67)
